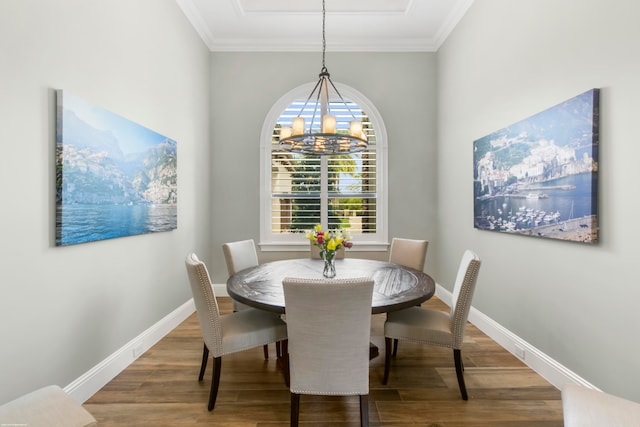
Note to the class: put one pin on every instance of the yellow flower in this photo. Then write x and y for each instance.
(332, 244)
(330, 240)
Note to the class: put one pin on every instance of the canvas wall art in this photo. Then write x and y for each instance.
(114, 178)
(539, 177)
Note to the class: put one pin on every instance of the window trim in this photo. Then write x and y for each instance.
(290, 243)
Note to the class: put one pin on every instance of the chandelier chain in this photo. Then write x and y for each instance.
(324, 40)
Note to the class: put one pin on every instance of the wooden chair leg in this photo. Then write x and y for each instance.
(459, 373)
(203, 365)
(295, 409)
(266, 351)
(278, 349)
(215, 382)
(285, 362)
(387, 359)
(364, 410)
(395, 347)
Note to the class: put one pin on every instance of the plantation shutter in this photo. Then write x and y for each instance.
(337, 191)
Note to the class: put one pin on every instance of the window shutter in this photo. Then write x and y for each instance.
(339, 191)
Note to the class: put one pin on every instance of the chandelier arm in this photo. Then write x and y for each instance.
(342, 99)
(315, 109)
(310, 95)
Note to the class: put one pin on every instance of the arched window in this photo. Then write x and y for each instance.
(337, 191)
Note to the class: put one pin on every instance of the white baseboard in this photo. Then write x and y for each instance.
(88, 384)
(557, 374)
(220, 290)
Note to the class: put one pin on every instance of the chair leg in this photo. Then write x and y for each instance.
(395, 347)
(387, 359)
(203, 365)
(295, 409)
(266, 351)
(285, 362)
(215, 382)
(278, 350)
(459, 373)
(364, 410)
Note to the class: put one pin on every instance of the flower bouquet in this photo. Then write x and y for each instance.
(329, 242)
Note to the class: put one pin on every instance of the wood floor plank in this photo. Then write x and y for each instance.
(161, 388)
(441, 411)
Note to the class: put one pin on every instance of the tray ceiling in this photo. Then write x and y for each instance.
(351, 25)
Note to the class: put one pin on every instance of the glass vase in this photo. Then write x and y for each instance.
(329, 258)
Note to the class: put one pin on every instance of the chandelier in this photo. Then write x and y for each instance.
(322, 137)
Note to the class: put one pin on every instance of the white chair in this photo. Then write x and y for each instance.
(229, 333)
(238, 256)
(47, 406)
(329, 325)
(436, 327)
(408, 252)
(584, 407)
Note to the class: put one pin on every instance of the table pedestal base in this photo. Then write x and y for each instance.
(373, 351)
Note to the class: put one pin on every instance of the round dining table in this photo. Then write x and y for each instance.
(395, 286)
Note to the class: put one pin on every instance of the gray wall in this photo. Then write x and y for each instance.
(64, 309)
(245, 87)
(504, 62)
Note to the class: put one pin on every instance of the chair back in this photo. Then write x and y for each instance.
(206, 304)
(314, 252)
(586, 407)
(328, 326)
(240, 255)
(463, 290)
(408, 252)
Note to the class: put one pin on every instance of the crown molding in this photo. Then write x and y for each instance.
(336, 45)
(350, 45)
(451, 22)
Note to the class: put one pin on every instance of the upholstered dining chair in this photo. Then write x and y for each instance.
(435, 327)
(584, 407)
(228, 333)
(408, 252)
(238, 256)
(328, 325)
(47, 406)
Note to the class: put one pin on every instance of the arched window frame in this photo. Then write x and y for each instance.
(291, 242)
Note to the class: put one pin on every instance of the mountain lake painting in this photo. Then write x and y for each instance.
(114, 178)
(539, 177)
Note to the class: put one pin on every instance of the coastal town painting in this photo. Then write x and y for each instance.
(114, 178)
(539, 177)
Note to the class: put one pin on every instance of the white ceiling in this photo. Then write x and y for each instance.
(351, 25)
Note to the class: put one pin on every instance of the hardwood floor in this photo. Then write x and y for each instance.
(161, 388)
